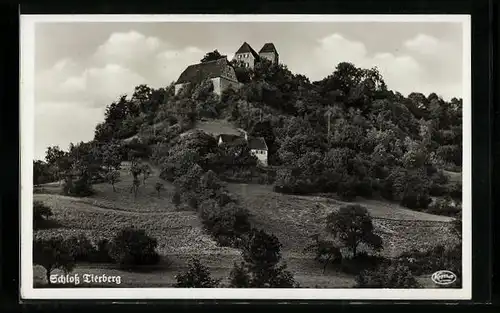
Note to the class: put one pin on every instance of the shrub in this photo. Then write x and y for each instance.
(326, 251)
(362, 261)
(41, 214)
(197, 276)
(80, 187)
(158, 187)
(432, 260)
(444, 206)
(132, 247)
(455, 191)
(387, 276)
(225, 223)
(52, 253)
(176, 198)
(262, 254)
(239, 277)
(102, 253)
(81, 248)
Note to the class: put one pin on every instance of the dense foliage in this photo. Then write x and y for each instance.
(53, 253)
(261, 269)
(197, 276)
(387, 276)
(132, 248)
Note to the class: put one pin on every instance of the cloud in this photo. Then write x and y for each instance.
(122, 62)
(424, 44)
(403, 71)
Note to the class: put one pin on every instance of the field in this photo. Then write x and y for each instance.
(180, 235)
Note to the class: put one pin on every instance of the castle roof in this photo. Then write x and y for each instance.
(246, 48)
(206, 70)
(268, 47)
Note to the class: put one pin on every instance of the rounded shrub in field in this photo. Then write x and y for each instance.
(132, 248)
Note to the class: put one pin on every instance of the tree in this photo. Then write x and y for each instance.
(352, 225)
(326, 251)
(146, 172)
(176, 198)
(112, 155)
(112, 178)
(197, 276)
(58, 159)
(158, 188)
(239, 277)
(41, 213)
(387, 276)
(52, 253)
(132, 247)
(262, 253)
(211, 56)
(136, 183)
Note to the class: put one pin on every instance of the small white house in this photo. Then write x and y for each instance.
(257, 145)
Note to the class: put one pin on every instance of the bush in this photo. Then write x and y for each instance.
(102, 253)
(80, 187)
(432, 260)
(262, 254)
(444, 206)
(197, 276)
(387, 276)
(53, 253)
(81, 248)
(362, 261)
(239, 277)
(225, 223)
(132, 248)
(41, 214)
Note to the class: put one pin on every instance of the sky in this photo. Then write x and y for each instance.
(81, 67)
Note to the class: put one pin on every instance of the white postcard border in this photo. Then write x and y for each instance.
(27, 60)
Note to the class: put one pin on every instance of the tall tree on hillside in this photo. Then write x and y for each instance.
(352, 225)
(211, 56)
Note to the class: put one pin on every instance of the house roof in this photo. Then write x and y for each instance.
(257, 143)
(206, 70)
(268, 47)
(228, 138)
(245, 48)
(254, 143)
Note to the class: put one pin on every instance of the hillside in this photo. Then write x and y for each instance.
(343, 141)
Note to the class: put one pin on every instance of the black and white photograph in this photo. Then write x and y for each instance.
(246, 156)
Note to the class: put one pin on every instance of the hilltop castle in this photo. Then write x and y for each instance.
(221, 72)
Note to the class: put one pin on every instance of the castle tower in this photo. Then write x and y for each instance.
(246, 55)
(269, 52)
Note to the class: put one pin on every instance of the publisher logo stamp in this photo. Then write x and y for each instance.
(444, 277)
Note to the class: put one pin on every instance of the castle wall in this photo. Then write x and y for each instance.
(222, 83)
